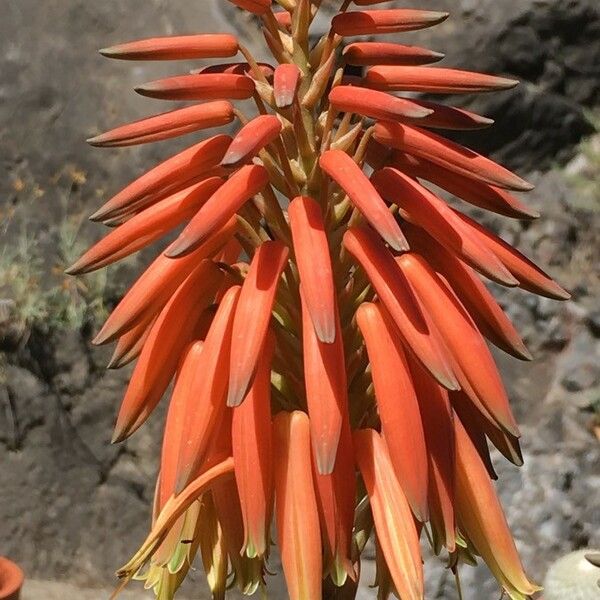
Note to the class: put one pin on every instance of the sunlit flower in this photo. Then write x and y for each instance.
(321, 310)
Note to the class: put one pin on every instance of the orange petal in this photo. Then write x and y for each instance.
(167, 125)
(258, 7)
(461, 337)
(155, 286)
(296, 507)
(397, 406)
(447, 154)
(326, 391)
(285, 84)
(472, 293)
(251, 138)
(385, 53)
(252, 454)
(206, 86)
(221, 206)
(529, 275)
(169, 336)
(394, 522)
(374, 104)
(475, 192)
(210, 45)
(252, 317)
(433, 80)
(437, 417)
(146, 227)
(311, 249)
(209, 390)
(336, 495)
(175, 173)
(350, 177)
(481, 518)
(396, 295)
(419, 206)
(372, 22)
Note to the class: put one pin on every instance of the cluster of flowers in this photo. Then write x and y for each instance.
(321, 311)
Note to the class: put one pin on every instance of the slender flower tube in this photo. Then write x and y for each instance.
(323, 312)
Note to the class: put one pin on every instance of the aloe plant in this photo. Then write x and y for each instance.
(321, 311)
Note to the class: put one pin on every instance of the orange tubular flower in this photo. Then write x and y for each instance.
(322, 310)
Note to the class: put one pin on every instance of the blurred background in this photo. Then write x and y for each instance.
(72, 507)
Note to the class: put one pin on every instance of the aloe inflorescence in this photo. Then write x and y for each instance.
(321, 311)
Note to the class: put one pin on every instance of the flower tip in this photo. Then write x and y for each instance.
(94, 140)
(180, 247)
(561, 293)
(102, 337)
(99, 215)
(399, 243)
(325, 331)
(232, 158)
(235, 396)
(119, 435)
(74, 269)
(325, 460)
(439, 16)
(109, 52)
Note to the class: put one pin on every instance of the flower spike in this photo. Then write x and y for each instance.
(322, 308)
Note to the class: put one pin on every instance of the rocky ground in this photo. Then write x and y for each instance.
(72, 507)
